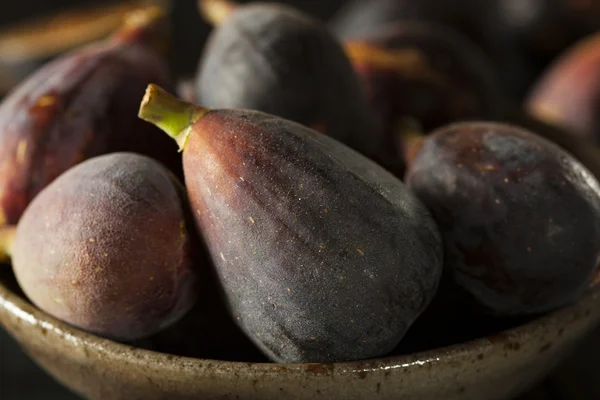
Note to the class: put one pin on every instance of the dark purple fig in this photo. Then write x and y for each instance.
(106, 247)
(519, 215)
(568, 94)
(273, 58)
(322, 254)
(427, 73)
(78, 106)
(360, 19)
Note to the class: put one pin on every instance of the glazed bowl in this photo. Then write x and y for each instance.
(495, 367)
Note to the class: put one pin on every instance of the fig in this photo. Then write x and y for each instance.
(568, 93)
(428, 73)
(322, 254)
(276, 59)
(520, 216)
(106, 247)
(80, 105)
(360, 19)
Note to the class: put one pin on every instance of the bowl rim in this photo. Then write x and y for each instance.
(22, 309)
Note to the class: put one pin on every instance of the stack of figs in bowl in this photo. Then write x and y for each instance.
(402, 202)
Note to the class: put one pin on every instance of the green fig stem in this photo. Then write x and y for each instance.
(7, 239)
(174, 116)
(216, 11)
(410, 137)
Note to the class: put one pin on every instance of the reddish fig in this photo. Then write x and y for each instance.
(106, 247)
(81, 105)
(322, 254)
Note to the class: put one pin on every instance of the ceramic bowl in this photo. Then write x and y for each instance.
(490, 368)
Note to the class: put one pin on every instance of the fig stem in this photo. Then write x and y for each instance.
(392, 59)
(172, 115)
(147, 24)
(7, 238)
(405, 61)
(216, 11)
(410, 137)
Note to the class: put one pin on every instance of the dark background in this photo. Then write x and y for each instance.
(189, 31)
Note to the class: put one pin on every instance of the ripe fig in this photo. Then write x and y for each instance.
(322, 254)
(568, 93)
(276, 59)
(519, 215)
(106, 247)
(360, 19)
(427, 73)
(78, 106)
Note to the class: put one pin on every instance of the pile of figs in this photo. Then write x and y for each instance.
(411, 174)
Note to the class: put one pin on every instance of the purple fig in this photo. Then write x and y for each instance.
(519, 215)
(81, 105)
(322, 254)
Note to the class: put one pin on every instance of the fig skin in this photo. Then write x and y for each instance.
(576, 145)
(426, 73)
(568, 93)
(276, 59)
(106, 247)
(361, 19)
(81, 105)
(519, 215)
(322, 255)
